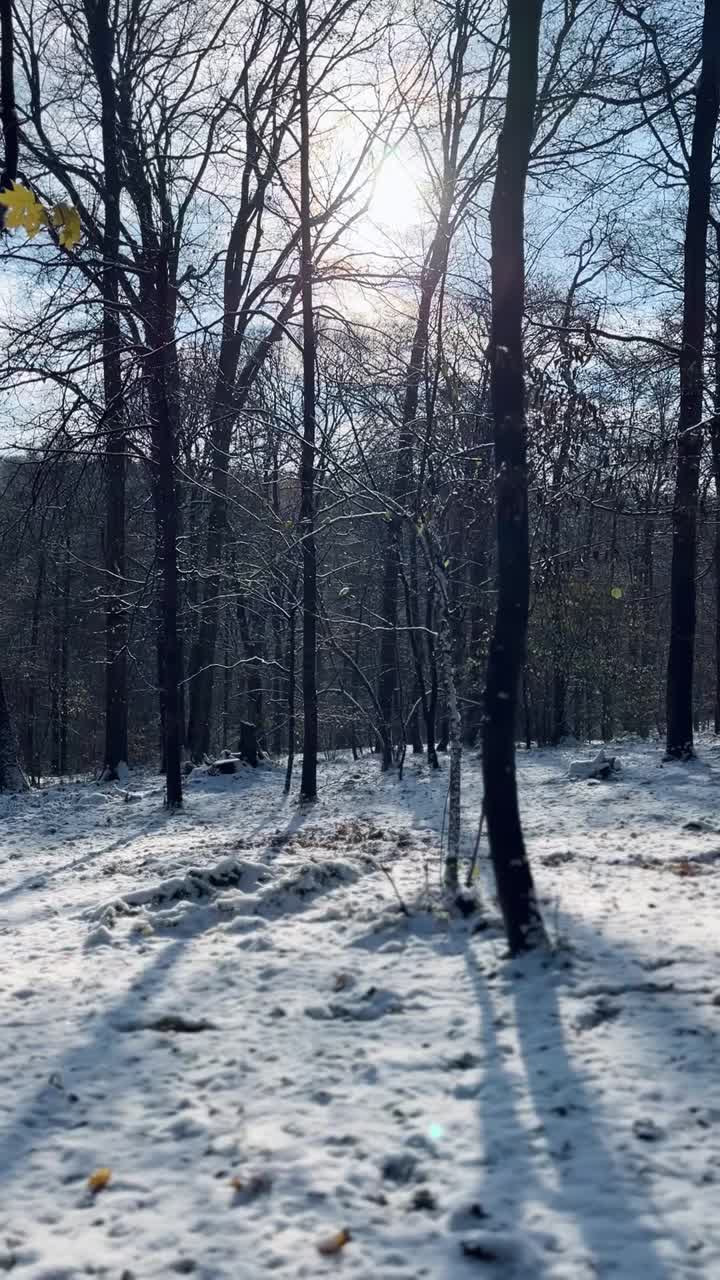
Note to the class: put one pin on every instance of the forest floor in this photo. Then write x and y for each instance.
(227, 1009)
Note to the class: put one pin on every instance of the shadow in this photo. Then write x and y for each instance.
(69, 1094)
(551, 1168)
(81, 1087)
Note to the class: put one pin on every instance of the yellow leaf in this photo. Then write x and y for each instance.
(616, 593)
(67, 221)
(333, 1244)
(24, 211)
(99, 1180)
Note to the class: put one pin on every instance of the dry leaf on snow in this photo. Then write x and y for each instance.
(333, 1244)
(99, 1180)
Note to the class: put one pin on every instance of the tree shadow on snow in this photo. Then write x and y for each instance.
(87, 1086)
(550, 1165)
(81, 1080)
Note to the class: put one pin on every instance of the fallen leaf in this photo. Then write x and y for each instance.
(333, 1244)
(99, 1180)
(249, 1185)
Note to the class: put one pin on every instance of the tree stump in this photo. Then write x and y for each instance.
(247, 746)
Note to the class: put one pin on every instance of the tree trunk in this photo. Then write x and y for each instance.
(290, 696)
(160, 393)
(12, 777)
(683, 588)
(447, 664)
(715, 446)
(253, 669)
(100, 43)
(516, 891)
(31, 763)
(308, 783)
(8, 112)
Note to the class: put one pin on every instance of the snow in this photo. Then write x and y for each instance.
(228, 1009)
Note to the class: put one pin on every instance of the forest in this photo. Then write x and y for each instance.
(360, 570)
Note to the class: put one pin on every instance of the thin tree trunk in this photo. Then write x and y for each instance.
(12, 777)
(445, 648)
(432, 701)
(683, 589)
(253, 669)
(227, 680)
(290, 696)
(715, 446)
(160, 391)
(100, 43)
(64, 668)
(7, 99)
(516, 891)
(31, 763)
(308, 783)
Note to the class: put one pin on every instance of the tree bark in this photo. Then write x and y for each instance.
(100, 43)
(292, 611)
(160, 395)
(31, 763)
(683, 590)
(8, 111)
(516, 891)
(715, 447)
(308, 782)
(12, 777)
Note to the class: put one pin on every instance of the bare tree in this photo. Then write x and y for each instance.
(101, 49)
(516, 891)
(683, 589)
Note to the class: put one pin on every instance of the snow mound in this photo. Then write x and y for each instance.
(214, 895)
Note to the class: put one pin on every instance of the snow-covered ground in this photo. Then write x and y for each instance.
(228, 1010)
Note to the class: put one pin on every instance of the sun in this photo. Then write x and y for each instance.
(396, 205)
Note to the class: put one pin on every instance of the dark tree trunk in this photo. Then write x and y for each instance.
(252, 649)
(64, 668)
(31, 763)
(100, 42)
(290, 694)
(59, 677)
(7, 98)
(308, 782)
(247, 743)
(516, 891)
(559, 729)
(683, 589)
(12, 777)
(715, 445)
(277, 722)
(161, 388)
(432, 701)
(227, 682)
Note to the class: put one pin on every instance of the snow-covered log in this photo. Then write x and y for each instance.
(601, 767)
